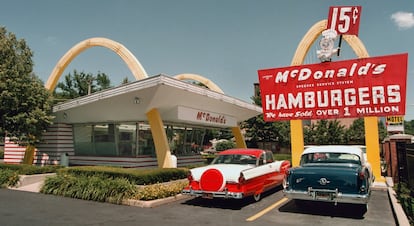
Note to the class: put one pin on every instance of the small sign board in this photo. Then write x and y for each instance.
(344, 19)
(394, 120)
(395, 124)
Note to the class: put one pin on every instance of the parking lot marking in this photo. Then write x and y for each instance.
(263, 212)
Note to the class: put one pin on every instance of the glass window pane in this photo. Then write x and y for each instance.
(127, 140)
(104, 136)
(83, 140)
(145, 141)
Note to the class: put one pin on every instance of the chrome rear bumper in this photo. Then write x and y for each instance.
(327, 195)
(210, 194)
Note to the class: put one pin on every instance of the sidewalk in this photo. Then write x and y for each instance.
(34, 187)
(31, 183)
(399, 213)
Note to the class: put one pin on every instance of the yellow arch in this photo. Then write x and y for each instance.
(313, 34)
(133, 64)
(207, 82)
(371, 123)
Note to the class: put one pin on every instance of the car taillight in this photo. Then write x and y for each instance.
(287, 172)
(190, 177)
(361, 175)
(241, 179)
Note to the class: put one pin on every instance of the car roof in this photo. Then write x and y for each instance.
(243, 151)
(334, 149)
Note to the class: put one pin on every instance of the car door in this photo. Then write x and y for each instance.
(271, 177)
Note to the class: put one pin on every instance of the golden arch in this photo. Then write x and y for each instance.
(371, 123)
(157, 127)
(133, 64)
(207, 82)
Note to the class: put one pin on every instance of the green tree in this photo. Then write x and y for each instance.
(325, 132)
(409, 127)
(81, 84)
(125, 81)
(25, 105)
(224, 134)
(224, 145)
(382, 130)
(356, 132)
(257, 130)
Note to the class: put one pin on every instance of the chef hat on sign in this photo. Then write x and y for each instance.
(330, 34)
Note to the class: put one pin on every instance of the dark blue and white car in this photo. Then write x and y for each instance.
(331, 173)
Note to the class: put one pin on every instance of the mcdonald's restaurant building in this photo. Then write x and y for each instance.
(139, 124)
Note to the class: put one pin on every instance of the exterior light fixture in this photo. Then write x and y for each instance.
(137, 100)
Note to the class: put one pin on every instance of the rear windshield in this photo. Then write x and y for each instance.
(235, 159)
(327, 157)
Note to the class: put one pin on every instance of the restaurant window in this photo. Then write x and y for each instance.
(145, 140)
(83, 139)
(104, 137)
(185, 140)
(117, 140)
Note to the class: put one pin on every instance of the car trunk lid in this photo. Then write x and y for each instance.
(342, 177)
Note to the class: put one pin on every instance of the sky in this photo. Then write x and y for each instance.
(226, 41)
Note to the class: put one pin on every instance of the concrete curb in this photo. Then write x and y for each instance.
(401, 217)
(154, 203)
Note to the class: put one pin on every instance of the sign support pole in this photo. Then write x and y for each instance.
(296, 137)
(372, 144)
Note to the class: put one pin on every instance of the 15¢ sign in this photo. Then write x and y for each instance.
(344, 19)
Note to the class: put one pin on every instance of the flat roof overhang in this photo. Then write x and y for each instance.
(131, 102)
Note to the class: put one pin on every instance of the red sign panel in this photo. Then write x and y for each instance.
(373, 86)
(344, 19)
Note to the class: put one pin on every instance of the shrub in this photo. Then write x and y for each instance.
(112, 184)
(8, 178)
(89, 188)
(30, 169)
(159, 191)
(134, 176)
(404, 195)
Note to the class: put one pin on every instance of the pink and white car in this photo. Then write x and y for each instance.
(237, 173)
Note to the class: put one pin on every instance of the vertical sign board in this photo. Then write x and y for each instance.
(344, 19)
(374, 86)
(395, 124)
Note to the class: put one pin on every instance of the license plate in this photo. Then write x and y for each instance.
(207, 196)
(323, 195)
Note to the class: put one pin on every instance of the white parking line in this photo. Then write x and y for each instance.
(263, 212)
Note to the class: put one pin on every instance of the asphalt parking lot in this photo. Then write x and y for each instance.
(26, 208)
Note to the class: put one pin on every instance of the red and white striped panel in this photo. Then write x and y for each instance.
(13, 152)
